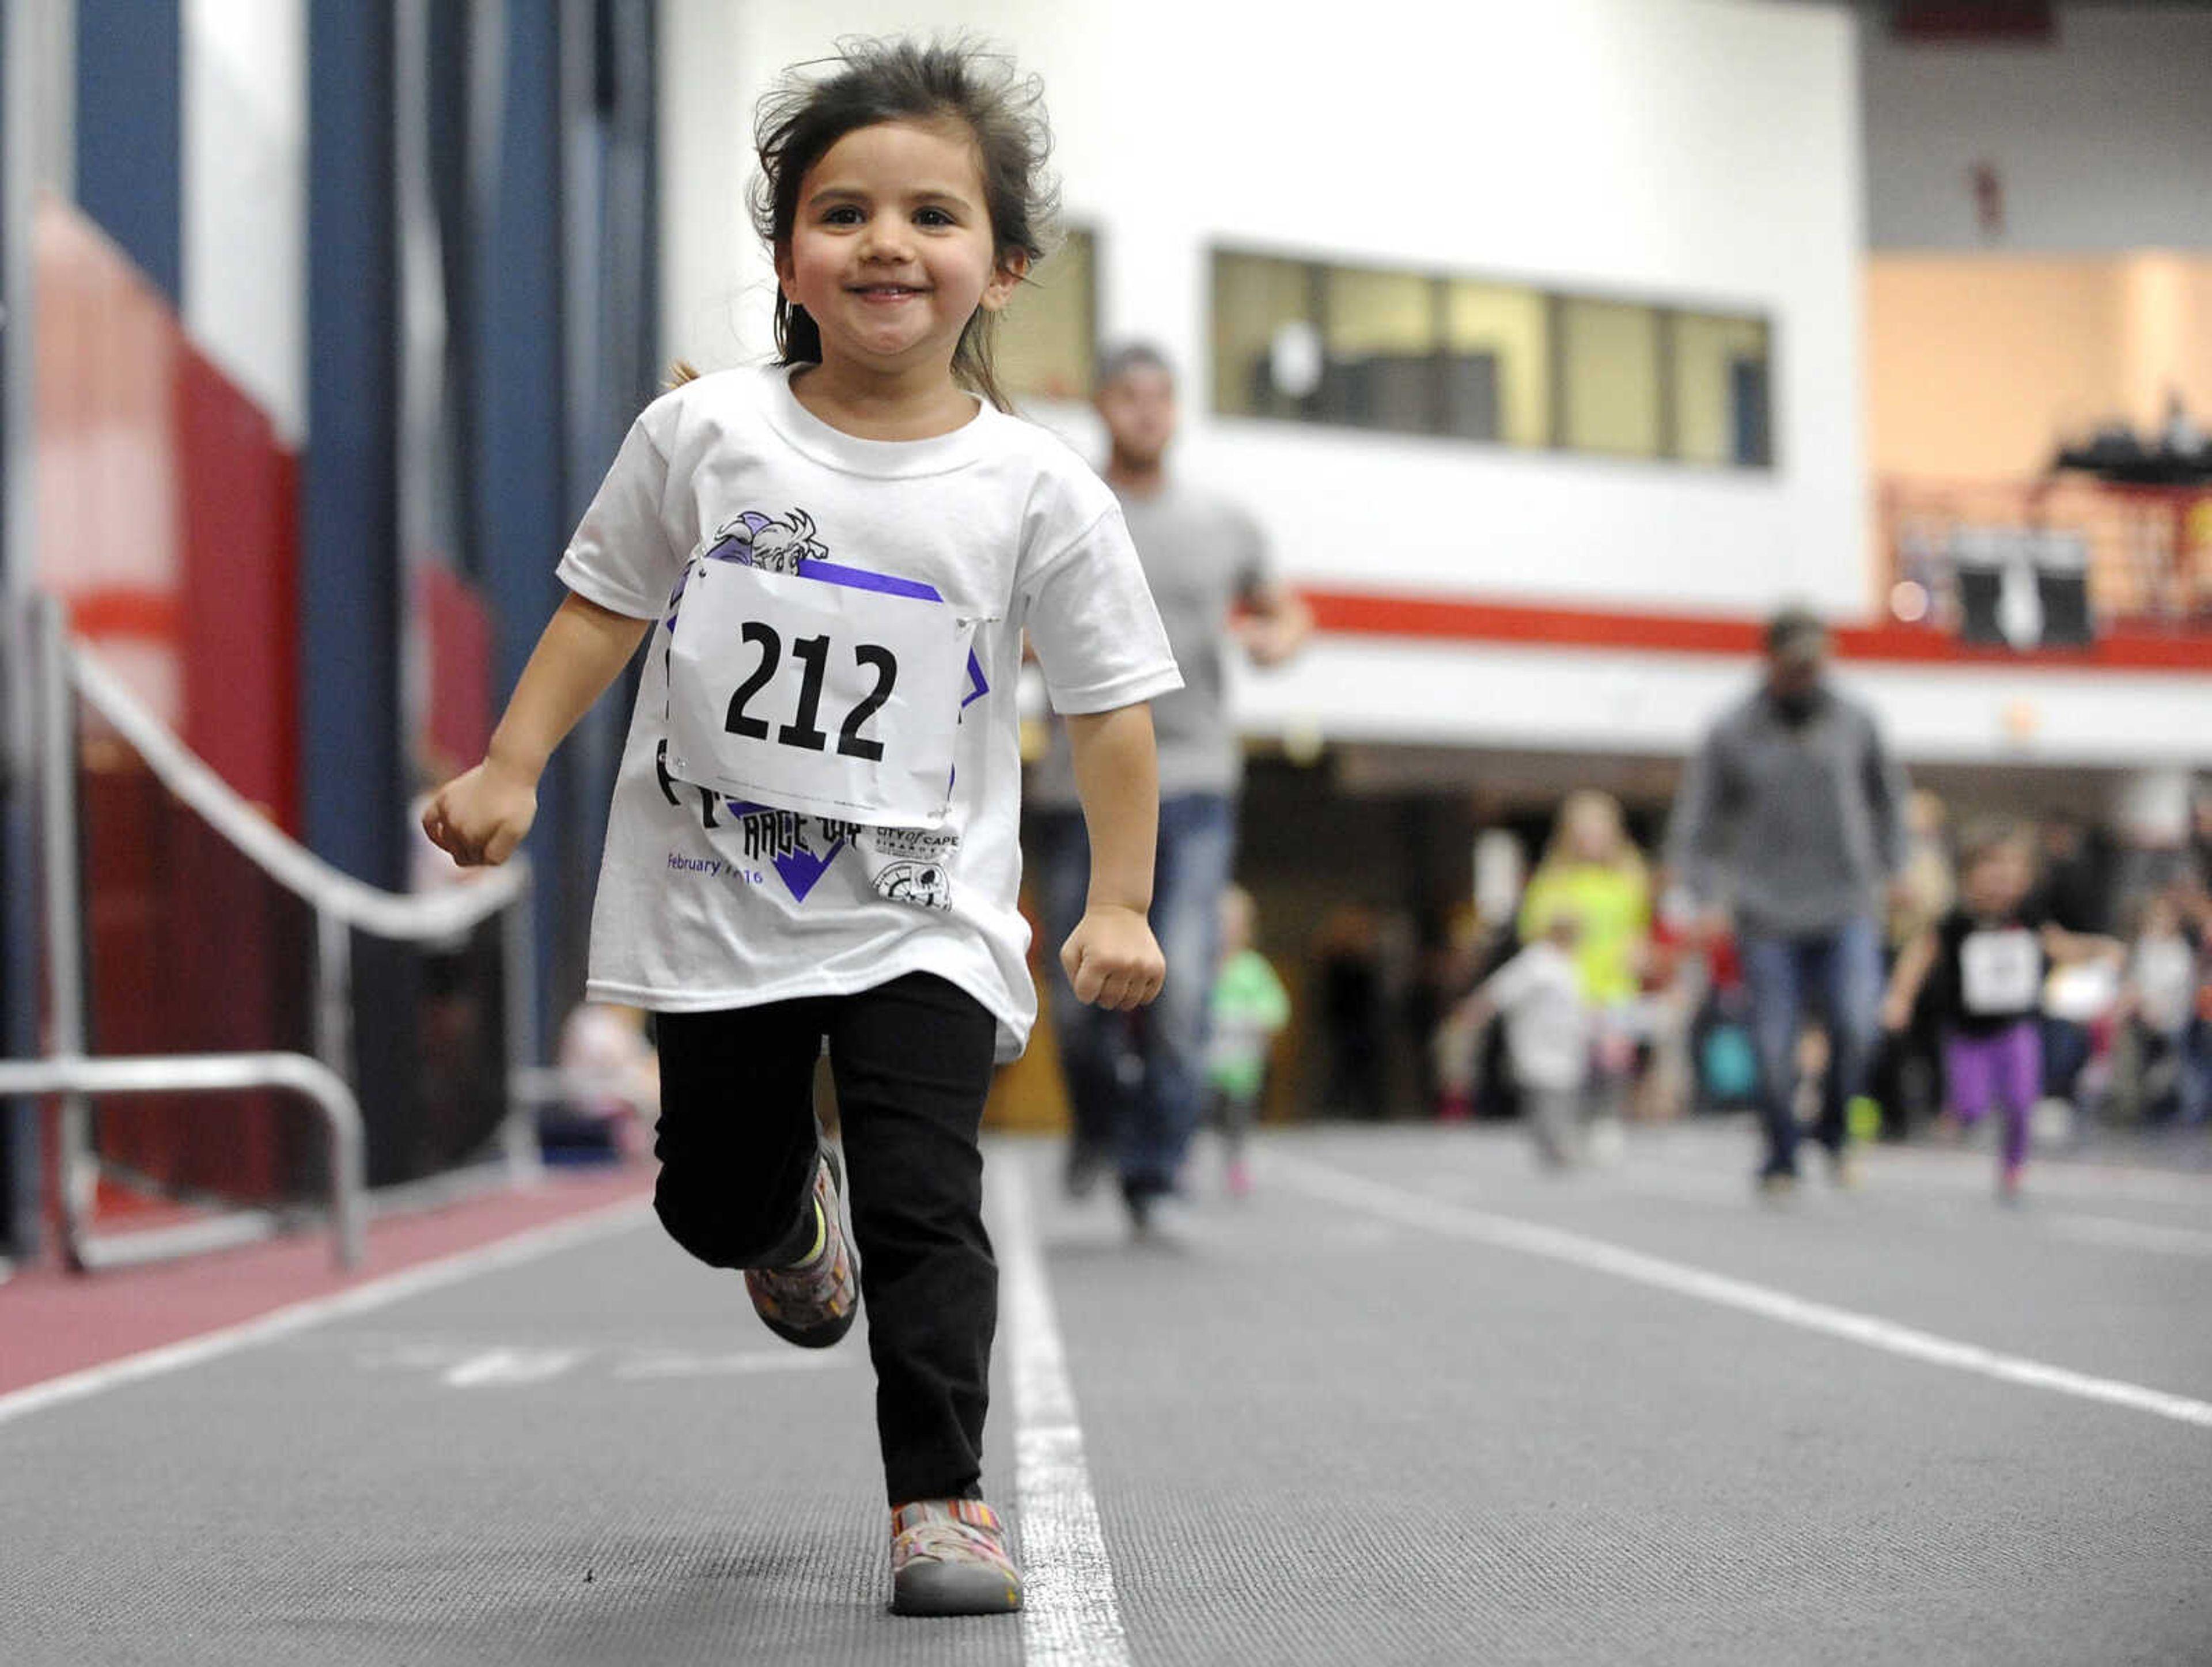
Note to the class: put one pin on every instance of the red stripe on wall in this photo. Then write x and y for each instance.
(153, 616)
(1457, 619)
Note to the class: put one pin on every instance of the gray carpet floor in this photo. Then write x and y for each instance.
(1349, 1419)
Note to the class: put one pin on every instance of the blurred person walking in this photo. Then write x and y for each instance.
(1790, 816)
(1550, 1029)
(610, 1085)
(2076, 890)
(1250, 1007)
(1983, 964)
(1349, 1008)
(849, 874)
(1906, 1077)
(1137, 1091)
(1593, 870)
(2165, 1002)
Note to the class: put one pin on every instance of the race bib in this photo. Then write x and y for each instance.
(2000, 972)
(833, 692)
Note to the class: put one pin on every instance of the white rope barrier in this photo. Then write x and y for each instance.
(340, 903)
(416, 918)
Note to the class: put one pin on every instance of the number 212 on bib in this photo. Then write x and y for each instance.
(826, 698)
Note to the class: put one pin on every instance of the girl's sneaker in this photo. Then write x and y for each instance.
(949, 1557)
(813, 1303)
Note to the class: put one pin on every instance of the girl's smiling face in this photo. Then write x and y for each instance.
(892, 251)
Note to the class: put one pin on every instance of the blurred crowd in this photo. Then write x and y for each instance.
(1813, 940)
(1598, 981)
(1589, 992)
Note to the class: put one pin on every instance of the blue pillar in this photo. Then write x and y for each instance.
(352, 783)
(130, 130)
(22, 1157)
(519, 497)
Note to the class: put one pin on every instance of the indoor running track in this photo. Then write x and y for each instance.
(1410, 1402)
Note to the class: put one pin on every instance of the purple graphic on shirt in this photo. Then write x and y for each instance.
(889, 584)
(752, 539)
(800, 872)
(859, 578)
(787, 841)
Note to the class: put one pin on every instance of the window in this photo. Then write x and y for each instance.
(1498, 363)
(1466, 358)
(1719, 368)
(1380, 364)
(1047, 345)
(1266, 341)
(1609, 386)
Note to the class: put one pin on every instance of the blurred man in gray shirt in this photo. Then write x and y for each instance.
(1792, 813)
(1136, 1083)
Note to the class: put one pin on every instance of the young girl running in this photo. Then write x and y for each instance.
(1989, 957)
(813, 833)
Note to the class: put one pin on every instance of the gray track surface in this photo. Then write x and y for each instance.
(1316, 1432)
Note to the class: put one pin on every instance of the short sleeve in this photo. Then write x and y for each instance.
(1510, 981)
(620, 557)
(1091, 616)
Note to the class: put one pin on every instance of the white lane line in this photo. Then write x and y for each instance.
(2113, 1232)
(670, 1364)
(504, 1368)
(527, 1246)
(1456, 1222)
(2133, 1235)
(1069, 1617)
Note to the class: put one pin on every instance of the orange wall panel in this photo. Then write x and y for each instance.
(1978, 366)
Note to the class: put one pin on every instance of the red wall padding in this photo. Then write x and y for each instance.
(168, 521)
(240, 593)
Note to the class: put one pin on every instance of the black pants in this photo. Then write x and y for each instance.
(913, 1061)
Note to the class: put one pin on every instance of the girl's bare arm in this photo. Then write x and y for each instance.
(1112, 958)
(481, 816)
(2069, 948)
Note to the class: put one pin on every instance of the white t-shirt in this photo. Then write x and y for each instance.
(1548, 1024)
(708, 900)
(2164, 972)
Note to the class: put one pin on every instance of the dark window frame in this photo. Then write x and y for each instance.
(1665, 313)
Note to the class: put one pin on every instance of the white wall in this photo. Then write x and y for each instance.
(1702, 151)
(1609, 701)
(2103, 141)
(245, 197)
(1697, 150)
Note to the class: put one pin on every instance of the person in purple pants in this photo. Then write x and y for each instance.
(1989, 958)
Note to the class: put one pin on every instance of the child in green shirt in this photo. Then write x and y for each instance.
(1249, 1006)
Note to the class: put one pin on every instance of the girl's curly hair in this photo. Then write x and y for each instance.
(895, 79)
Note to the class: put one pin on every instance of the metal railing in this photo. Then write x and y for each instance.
(76, 1077)
(2143, 554)
(341, 904)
